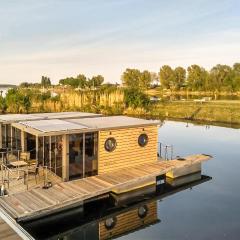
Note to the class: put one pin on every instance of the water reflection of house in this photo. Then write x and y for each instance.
(115, 225)
(105, 221)
(129, 221)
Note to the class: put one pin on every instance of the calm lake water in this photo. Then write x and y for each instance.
(207, 211)
(210, 210)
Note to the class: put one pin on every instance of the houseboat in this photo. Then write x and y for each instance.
(79, 147)
(54, 162)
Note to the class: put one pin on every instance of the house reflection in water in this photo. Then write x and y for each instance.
(115, 225)
(131, 220)
(102, 220)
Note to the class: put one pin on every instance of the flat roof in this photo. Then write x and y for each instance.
(58, 126)
(113, 122)
(11, 118)
(8, 118)
(52, 125)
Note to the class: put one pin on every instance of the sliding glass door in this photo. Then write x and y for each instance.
(91, 151)
(6, 135)
(83, 155)
(50, 153)
(76, 156)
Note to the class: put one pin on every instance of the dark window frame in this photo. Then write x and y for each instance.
(109, 148)
(140, 143)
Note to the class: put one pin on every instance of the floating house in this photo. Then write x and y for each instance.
(54, 162)
(77, 145)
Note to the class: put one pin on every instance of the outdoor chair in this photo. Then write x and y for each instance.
(32, 170)
(25, 156)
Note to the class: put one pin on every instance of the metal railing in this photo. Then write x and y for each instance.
(165, 151)
(9, 173)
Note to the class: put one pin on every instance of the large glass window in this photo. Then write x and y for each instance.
(31, 145)
(6, 135)
(91, 151)
(8, 130)
(16, 139)
(57, 162)
(83, 150)
(40, 150)
(75, 156)
(50, 153)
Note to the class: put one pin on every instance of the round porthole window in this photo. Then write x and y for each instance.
(142, 211)
(110, 144)
(143, 140)
(110, 223)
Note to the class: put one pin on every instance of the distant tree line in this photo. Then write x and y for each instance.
(81, 81)
(195, 78)
(45, 82)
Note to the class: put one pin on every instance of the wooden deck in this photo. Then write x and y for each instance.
(17, 185)
(6, 232)
(40, 202)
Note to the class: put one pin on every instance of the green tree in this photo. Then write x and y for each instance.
(236, 76)
(13, 100)
(26, 103)
(81, 81)
(221, 78)
(3, 105)
(197, 77)
(145, 80)
(134, 97)
(24, 85)
(45, 81)
(70, 81)
(96, 81)
(131, 78)
(166, 76)
(179, 77)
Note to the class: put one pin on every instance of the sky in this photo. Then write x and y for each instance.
(63, 38)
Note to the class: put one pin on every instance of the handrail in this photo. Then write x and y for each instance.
(4, 169)
(165, 147)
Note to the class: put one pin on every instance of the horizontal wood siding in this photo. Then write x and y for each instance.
(129, 221)
(127, 153)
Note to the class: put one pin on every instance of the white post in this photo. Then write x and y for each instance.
(50, 153)
(65, 157)
(23, 143)
(11, 132)
(0, 135)
(84, 158)
(37, 148)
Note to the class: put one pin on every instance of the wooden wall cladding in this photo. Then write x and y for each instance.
(127, 153)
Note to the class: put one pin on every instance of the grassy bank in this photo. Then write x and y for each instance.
(214, 111)
(214, 94)
(117, 101)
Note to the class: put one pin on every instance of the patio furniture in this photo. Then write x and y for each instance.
(32, 169)
(18, 164)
